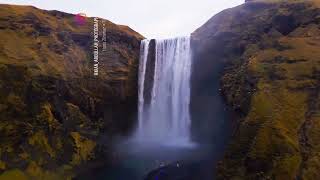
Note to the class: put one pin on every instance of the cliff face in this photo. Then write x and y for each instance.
(267, 55)
(52, 108)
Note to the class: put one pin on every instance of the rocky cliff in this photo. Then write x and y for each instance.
(52, 108)
(266, 55)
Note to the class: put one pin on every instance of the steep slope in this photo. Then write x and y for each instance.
(52, 107)
(267, 54)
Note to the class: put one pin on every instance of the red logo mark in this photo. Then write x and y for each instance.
(80, 19)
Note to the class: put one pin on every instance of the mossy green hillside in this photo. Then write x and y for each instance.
(52, 109)
(271, 80)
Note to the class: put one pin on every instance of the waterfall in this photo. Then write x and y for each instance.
(142, 70)
(165, 117)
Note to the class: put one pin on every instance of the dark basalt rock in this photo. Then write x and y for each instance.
(285, 24)
(148, 83)
(81, 39)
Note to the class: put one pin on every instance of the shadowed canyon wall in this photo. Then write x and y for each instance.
(267, 56)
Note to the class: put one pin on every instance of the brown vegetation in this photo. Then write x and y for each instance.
(52, 108)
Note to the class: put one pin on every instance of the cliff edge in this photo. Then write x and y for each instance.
(270, 77)
(53, 109)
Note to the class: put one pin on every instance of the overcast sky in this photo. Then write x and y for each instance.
(151, 18)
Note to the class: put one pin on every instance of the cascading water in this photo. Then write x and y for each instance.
(162, 139)
(166, 117)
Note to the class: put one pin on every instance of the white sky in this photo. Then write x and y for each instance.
(151, 18)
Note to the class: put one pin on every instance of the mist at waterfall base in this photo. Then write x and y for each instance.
(162, 139)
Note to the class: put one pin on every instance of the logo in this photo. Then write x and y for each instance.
(80, 19)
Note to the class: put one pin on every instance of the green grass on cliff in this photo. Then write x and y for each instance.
(278, 134)
(278, 110)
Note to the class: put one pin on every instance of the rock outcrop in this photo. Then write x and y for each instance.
(267, 55)
(52, 107)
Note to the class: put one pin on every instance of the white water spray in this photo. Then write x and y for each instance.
(166, 118)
